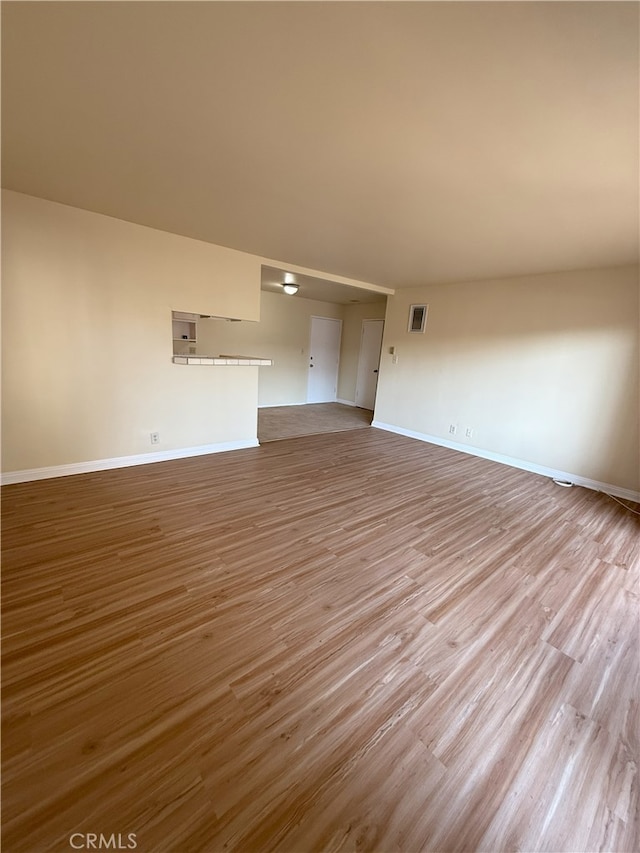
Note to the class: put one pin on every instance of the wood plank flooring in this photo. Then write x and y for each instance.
(347, 642)
(277, 422)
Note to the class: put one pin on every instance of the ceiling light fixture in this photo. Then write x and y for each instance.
(290, 289)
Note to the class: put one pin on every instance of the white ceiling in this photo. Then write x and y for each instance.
(393, 143)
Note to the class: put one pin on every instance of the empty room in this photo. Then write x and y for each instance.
(320, 427)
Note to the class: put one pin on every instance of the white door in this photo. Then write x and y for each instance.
(324, 357)
(369, 363)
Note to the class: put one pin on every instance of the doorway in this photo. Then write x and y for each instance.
(369, 363)
(324, 360)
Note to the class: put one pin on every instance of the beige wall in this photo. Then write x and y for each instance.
(350, 348)
(86, 338)
(544, 369)
(87, 371)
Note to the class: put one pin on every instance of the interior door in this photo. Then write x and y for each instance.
(324, 358)
(369, 363)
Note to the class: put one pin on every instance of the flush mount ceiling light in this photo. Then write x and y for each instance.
(290, 288)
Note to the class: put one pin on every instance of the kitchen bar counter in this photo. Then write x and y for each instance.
(223, 360)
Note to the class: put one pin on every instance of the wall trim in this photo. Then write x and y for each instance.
(279, 405)
(553, 473)
(303, 403)
(28, 475)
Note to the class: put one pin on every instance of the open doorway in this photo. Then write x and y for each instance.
(314, 338)
(322, 412)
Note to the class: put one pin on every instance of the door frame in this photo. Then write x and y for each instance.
(360, 357)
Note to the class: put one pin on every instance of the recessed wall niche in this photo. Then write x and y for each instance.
(184, 330)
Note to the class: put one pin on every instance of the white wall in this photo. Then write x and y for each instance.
(544, 369)
(86, 338)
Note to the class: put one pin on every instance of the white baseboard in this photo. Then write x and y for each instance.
(26, 476)
(554, 474)
(303, 403)
(280, 405)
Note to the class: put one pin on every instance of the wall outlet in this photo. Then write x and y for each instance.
(155, 438)
(453, 429)
(394, 359)
(468, 432)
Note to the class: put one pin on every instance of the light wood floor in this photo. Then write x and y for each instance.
(346, 642)
(279, 422)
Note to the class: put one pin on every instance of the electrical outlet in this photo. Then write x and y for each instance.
(155, 438)
(453, 429)
(394, 359)
(468, 432)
